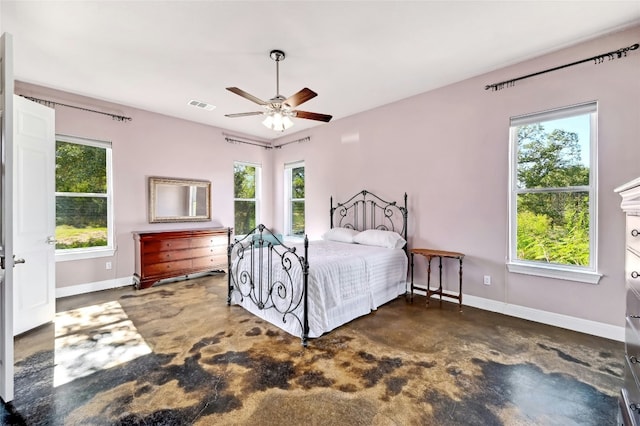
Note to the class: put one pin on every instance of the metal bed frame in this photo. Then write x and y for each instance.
(269, 289)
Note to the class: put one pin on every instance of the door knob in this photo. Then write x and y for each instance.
(15, 261)
(51, 240)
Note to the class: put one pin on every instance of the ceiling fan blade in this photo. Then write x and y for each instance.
(301, 97)
(244, 114)
(313, 116)
(246, 95)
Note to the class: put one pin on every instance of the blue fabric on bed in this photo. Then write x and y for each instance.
(267, 238)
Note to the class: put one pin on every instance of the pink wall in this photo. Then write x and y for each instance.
(150, 145)
(448, 149)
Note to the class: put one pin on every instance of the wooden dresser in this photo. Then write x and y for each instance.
(170, 254)
(630, 392)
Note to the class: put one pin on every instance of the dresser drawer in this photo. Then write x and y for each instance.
(632, 270)
(210, 262)
(633, 299)
(165, 245)
(172, 255)
(205, 251)
(632, 393)
(219, 251)
(628, 416)
(168, 267)
(633, 232)
(209, 241)
(632, 345)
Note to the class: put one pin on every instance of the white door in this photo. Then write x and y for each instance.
(34, 214)
(6, 219)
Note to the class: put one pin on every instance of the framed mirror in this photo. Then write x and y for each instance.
(179, 200)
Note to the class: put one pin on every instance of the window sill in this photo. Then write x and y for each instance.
(548, 271)
(65, 256)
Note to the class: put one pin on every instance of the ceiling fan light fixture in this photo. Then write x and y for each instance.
(268, 122)
(277, 121)
(286, 122)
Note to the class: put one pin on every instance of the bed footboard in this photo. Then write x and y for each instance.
(270, 275)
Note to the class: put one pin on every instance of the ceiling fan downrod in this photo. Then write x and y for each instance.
(277, 55)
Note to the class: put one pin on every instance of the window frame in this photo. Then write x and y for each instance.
(257, 191)
(586, 274)
(289, 200)
(63, 255)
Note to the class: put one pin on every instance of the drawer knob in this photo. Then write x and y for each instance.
(635, 232)
(635, 274)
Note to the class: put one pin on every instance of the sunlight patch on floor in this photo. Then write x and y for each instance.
(94, 338)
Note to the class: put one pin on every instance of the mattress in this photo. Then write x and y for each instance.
(345, 282)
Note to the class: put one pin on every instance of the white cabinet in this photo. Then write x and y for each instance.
(630, 392)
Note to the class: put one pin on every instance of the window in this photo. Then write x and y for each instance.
(294, 199)
(553, 194)
(246, 178)
(84, 219)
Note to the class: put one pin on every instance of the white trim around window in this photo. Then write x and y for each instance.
(589, 273)
(288, 200)
(94, 252)
(257, 190)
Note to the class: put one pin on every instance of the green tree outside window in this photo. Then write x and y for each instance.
(297, 201)
(245, 182)
(552, 198)
(81, 196)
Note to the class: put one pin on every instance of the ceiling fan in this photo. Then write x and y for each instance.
(279, 110)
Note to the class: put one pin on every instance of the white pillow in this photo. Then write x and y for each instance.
(342, 235)
(376, 237)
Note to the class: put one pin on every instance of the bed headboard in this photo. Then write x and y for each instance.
(366, 210)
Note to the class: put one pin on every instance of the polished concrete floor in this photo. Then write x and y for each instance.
(175, 354)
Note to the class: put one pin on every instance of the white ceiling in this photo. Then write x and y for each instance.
(159, 55)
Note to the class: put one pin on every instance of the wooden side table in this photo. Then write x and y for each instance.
(430, 254)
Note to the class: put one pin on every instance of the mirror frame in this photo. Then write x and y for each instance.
(155, 182)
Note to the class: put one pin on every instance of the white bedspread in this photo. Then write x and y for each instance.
(345, 281)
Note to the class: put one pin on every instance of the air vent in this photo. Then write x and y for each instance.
(203, 105)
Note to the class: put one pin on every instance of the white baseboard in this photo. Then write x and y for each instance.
(74, 290)
(94, 286)
(581, 325)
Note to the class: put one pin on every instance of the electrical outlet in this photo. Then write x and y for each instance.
(107, 265)
(487, 280)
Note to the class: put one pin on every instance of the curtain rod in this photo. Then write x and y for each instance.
(53, 104)
(305, 139)
(247, 141)
(598, 59)
(263, 144)
(232, 140)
